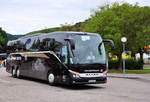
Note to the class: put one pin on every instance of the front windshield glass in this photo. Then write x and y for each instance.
(87, 50)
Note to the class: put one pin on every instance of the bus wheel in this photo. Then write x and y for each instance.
(18, 73)
(51, 78)
(14, 73)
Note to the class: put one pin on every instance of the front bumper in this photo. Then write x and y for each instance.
(89, 78)
(100, 80)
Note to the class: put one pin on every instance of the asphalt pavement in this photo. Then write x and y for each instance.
(130, 76)
(115, 90)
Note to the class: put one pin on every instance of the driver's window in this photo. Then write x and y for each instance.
(64, 54)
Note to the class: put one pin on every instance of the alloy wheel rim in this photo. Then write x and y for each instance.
(18, 73)
(13, 72)
(51, 78)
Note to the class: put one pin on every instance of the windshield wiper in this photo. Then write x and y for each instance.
(93, 63)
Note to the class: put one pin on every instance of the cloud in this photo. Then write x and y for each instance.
(23, 16)
(2, 20)
(140, 2)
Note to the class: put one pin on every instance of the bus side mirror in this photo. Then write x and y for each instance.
(72, 43)
(111, 43)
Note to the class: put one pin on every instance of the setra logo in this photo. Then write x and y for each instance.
(92, 74)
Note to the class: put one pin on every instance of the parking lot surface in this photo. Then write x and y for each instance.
(31, 90)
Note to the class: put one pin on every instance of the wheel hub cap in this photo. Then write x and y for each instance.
(51, 78)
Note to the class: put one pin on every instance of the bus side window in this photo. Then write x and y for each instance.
(36, 44)
(57, 49)
(46, 44)
(28, 43)
(64, 54)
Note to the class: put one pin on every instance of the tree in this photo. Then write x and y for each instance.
(76, 27)
(116, 21)
(3, 40)
(66, 27)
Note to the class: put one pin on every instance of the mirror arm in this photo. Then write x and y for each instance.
(110, 41)
(69, 40)
(71, 43)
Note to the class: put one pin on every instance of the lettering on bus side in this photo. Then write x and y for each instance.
(16, 58)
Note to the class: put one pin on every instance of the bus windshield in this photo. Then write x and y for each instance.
(87, 50)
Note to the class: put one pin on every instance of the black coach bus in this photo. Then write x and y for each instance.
(59, 57)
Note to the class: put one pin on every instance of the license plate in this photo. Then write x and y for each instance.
(92, 81)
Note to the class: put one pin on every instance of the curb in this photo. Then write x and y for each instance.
(123, 76)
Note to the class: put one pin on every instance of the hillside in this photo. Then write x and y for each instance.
(13, 37)
(64, 27)
(44, 31)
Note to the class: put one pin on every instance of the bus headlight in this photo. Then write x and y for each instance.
(105, 73)
(74, 74)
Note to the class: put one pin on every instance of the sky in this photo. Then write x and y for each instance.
(24, 16)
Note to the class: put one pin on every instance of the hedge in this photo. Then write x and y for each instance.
(130, 64)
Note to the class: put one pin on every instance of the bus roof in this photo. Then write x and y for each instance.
(59, 32)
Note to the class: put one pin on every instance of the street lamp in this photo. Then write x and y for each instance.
(123, 39)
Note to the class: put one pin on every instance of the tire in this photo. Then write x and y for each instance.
(51, 79)
(14, 73)
(18, 73)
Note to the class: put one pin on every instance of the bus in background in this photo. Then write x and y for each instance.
(59, 57)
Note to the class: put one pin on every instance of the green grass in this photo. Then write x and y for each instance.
(142, 71)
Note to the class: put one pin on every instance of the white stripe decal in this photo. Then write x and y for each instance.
(51, 52)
